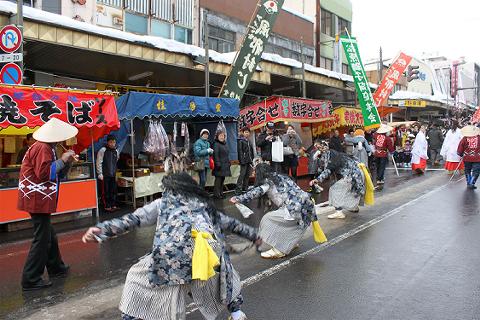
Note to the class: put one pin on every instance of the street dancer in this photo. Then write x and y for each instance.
(449, 149)
(469, 149)
(420, 152)
(355, 182)
(188, 255)
(282, 229)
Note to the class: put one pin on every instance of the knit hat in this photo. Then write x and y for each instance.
(204, 131)
(359, 132)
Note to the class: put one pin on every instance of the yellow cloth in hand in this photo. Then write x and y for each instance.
(318, 234)
(369, 188)
(204, 259)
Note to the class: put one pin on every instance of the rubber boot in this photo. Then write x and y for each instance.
(473, 181)
(468, 177)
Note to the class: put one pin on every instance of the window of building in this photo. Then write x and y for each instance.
(161, 29)
(221, 40)
(345, 69)
(342, 24)
(326, 63)
(327, 23)
(53, 6)
(136, 23)
(183, 35)
(111, 3)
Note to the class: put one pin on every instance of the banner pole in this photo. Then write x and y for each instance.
(132, 141)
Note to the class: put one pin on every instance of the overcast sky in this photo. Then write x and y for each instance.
(449, 28)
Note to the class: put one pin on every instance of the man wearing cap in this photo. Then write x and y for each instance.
(39, 181)
(469, 149)
(383, 145)
(264, 142)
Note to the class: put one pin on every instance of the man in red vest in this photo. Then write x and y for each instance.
(39, 181)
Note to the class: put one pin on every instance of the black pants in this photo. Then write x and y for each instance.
(109, 191)
(381, 164)
(290, 163)
(44, 251)
(243, 178)
(218, 187)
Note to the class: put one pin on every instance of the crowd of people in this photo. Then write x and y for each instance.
(189, 256)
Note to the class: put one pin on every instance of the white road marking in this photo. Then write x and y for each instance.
(285, 264)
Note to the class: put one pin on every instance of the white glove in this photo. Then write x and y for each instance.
(100, 177)
(210, 150)
(316, 154)
(360, 146)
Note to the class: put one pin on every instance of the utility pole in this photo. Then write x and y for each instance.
(304, 84)
(207, 56)
(318, 21)
(380, 67)
(20, 27)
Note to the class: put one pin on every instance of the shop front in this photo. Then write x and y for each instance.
(23, 109)
(303, 114)
(342, 119)
(182, 118)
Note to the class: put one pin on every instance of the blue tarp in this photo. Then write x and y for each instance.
(141, 105)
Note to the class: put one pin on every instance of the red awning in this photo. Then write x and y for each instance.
(277, 109)
(92, 112)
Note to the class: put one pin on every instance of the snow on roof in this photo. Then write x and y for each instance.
(410, 95)
(158, 42)
(299, 14)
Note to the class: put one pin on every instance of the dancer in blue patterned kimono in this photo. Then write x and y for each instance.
(281, 229)
(188, 228)
(347, 192)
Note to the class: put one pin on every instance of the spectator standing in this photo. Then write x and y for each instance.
(21, 153)
(435, 141)
(245, 157)
(107, 159)
(221, 164)
(361, 148)
(264, 142)
(349, 145)
(292, 144)
(469, 149)
(201, 151)
(335, 142)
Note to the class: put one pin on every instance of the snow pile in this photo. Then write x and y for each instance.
(409, 95)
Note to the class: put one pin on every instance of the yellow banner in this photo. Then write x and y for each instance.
(413, 103)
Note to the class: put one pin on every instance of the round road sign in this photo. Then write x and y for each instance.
(11, 38)
(11, 74)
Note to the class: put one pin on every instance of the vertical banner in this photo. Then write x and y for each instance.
(371, 118)
(391, 78)
(251, 50)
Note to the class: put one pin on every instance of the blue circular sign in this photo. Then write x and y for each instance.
(11, 74)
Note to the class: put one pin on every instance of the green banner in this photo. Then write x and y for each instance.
(252, 48)
(371, 118)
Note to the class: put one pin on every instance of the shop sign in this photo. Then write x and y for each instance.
(412, 103)
(251, 50)
(30, 106)
(121, 90)
(369, 109)
(284, 109)
(341, 117)
(391, 78)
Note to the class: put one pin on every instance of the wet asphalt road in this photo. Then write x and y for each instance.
(400, 267)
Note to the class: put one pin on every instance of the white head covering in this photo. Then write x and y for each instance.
(384, 128)
(55, 130)
(204, 131)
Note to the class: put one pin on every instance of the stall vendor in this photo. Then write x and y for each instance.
(23, 151)
(39, 181)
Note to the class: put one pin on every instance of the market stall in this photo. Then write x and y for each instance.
(181, 117)
(25, 108)
(342, 119)
(303, 114)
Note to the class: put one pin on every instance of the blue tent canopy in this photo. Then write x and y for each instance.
(141, 105)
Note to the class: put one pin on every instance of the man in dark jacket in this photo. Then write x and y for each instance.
(435, 141)
(264, 142)
(335, 142)
(107, 158)
(221, 161)
(245, 157)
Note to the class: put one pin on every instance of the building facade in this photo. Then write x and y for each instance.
(331, 18)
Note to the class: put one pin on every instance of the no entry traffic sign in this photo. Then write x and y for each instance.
(11, 38)
(11, 74)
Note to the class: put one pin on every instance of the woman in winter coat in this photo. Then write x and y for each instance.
(222, 164)
(361, 148)
(293, 142)
(283, 228)
(201, 152)
(189, 228)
